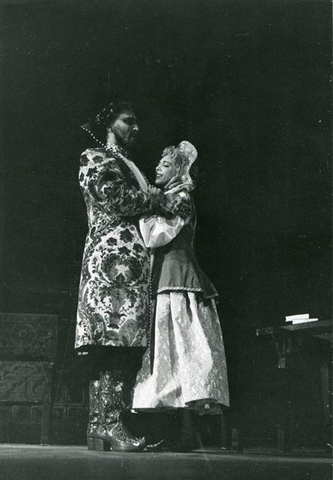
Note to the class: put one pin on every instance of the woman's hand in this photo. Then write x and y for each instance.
(154, 190)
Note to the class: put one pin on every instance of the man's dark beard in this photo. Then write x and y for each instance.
(119, 140)
(121, 143)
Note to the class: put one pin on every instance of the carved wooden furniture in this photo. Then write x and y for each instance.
(28, 345)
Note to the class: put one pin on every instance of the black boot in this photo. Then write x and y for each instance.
(93, 419)
(111, 433)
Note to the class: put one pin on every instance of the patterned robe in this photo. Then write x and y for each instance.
(113, 293)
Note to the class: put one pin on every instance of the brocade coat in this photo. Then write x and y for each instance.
(113, 293)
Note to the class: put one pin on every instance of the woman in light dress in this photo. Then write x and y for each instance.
(185, 365)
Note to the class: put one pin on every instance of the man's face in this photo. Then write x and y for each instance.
(165, 170)
(125, 128)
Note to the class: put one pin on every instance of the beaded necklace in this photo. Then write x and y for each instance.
(93, 136)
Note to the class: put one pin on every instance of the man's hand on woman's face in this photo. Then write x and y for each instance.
(173, 182)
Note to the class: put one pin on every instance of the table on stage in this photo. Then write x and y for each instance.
(293, 343)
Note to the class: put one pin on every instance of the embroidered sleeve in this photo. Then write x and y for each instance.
(107, 185)
(174, 204)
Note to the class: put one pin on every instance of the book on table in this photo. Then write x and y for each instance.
(300, 318)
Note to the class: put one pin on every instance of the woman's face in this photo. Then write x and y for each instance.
(165, 170)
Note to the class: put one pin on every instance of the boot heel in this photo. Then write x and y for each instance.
(101, 446)
(91, 443)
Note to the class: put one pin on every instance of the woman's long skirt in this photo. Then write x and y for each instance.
(189, 366)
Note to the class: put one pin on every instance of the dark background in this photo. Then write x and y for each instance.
(248, 83)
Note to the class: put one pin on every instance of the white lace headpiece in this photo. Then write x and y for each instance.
(189, 153)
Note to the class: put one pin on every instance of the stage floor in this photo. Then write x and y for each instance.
(34, 462)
